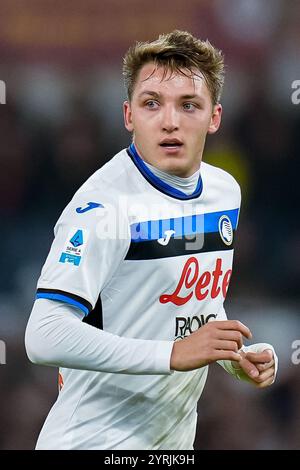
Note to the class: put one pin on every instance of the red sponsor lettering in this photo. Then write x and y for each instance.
(213, 283)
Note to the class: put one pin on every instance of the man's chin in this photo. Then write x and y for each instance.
(177, 168)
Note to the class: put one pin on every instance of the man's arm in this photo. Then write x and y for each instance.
(56, 336)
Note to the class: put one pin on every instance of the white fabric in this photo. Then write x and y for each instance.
(110, 398)
(56, 336)
(186, 185)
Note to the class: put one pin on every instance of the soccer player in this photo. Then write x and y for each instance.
(136, 277)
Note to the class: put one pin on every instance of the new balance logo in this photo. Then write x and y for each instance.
(168, 235)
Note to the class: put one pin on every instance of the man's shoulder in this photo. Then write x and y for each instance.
(108, 181)
(110, 175)
(220, 177)
(101, 191)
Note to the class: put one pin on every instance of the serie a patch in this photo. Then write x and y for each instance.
(74, 246)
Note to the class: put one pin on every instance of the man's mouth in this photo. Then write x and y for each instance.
(171, 143)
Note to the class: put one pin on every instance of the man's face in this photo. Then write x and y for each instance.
(170, 119)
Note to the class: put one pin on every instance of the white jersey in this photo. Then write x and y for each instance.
(141, 260)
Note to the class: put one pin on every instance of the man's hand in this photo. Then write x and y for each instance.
(217, 340)
(259, 367)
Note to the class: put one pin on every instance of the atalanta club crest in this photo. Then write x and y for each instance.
(225, 230)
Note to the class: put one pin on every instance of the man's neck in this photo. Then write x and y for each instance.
(186, 185)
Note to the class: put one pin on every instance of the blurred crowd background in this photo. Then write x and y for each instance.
(61, 62)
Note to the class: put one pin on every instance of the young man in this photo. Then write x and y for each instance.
(140, 266)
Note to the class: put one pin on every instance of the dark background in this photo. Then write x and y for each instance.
(61, 62)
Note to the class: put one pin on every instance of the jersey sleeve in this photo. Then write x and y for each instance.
(91, 239)
(56, 336)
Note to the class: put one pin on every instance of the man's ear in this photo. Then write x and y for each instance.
(127, 116)
(215, 119)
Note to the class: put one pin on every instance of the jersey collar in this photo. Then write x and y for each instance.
(157, 182)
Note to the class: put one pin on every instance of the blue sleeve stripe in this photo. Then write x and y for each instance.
(62, 298)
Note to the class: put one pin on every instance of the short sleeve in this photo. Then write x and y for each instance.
(91, 240)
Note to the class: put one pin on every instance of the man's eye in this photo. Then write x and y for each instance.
(188, 106)
(151, 104)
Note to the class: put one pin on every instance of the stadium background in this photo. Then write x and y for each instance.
(61, 62)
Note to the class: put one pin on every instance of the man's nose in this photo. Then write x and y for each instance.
(170, 119)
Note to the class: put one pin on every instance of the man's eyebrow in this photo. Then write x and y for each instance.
(158, 95)
(191, 97)
(151, 93)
